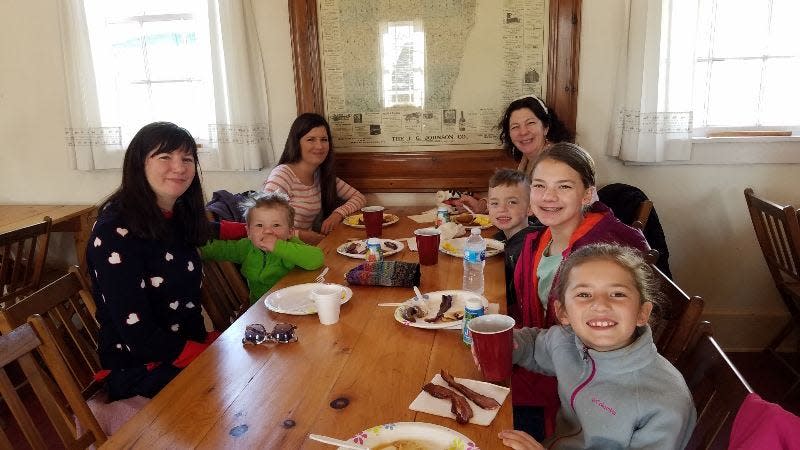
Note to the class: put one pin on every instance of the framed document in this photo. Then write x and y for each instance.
(414, 89)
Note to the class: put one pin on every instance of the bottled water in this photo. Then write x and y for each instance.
(474, 260)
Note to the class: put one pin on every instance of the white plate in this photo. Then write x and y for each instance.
(296, 300)
(483, 218)
(342, 249)
(433, 302)
(433, 436)
(352, 221)
(456, 247)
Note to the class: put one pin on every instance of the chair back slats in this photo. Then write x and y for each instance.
(223, 295)
(18, 345)
(717, 387)
(22, 256)
(676, 319)
(778, 231)
(642, 214)
(63, 310)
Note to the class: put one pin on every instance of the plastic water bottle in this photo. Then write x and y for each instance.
(474, 260)
(473, 308)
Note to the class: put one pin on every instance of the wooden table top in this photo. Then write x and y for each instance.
(273, 396)
(13, 217)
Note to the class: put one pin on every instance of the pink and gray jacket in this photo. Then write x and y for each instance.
(626, 398)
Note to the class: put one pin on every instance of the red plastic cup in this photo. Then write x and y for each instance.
(373, 220)
(427, 245)
(492, 336)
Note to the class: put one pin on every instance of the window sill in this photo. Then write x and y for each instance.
(740, 150)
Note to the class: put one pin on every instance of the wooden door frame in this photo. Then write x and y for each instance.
(434, 170)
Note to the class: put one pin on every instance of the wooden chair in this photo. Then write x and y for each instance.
(65, 308)
(676, 319)
(642, 214)
(224, 295)
(22, 256)
(717, 387)
(777, 229)
(18, 345)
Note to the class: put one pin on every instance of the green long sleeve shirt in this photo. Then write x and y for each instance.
(263, 269)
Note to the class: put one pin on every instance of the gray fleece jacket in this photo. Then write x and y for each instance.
(626, 398)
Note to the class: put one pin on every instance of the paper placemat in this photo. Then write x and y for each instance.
(441, 406)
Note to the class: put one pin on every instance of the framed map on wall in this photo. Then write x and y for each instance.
(432, 74)
(414, 89)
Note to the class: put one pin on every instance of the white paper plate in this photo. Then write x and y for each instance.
(433, 302)
(455, 247)
(433, 436)
(342, 249)
(352, 221)
(296, 300)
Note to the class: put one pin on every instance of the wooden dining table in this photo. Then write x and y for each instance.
(77, 219)
(273, 396)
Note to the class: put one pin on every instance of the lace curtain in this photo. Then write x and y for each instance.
(652, 115)
(238, 133)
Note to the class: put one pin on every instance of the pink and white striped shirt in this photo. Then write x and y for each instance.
(306, 200)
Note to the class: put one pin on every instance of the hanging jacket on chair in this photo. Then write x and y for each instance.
(624, 201)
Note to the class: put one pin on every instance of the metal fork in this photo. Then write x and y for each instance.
(321, 277)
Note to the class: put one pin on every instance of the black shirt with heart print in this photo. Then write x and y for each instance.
(147, 294)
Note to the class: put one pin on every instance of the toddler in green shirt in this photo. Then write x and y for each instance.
(270, 250)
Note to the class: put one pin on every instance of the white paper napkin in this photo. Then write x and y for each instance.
(426, 216)
(441, 406)
(412, 243)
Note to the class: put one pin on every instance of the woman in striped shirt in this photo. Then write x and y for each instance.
(305, 173)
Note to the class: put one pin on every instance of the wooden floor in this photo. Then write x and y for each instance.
(770, 378)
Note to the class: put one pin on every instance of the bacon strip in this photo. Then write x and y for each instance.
(459, 405)
(479, 399)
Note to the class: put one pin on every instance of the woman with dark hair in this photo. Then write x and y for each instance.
(306, 174)
(527, 127)
(144, 264)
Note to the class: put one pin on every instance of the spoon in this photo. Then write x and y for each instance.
(334, 441)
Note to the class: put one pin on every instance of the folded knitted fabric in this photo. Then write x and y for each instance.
(385, 273)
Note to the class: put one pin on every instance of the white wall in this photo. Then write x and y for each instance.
(34, 166)
(713, 249)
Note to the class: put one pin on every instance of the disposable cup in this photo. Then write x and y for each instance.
(428, 245)
(492, 336)
(373, 220)
(328, 300)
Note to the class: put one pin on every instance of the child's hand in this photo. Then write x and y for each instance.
(473, 203)
(519, 440)
(330, 223)
(266, 242)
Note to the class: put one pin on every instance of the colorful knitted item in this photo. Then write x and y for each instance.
(385, 273)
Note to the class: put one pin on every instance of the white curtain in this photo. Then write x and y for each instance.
(238, 133)
(652, 118)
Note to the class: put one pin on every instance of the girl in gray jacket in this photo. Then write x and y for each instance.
(616, 391)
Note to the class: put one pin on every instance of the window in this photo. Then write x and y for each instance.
(197, 63)
(152, 62)
(403, 64)
(747, 66)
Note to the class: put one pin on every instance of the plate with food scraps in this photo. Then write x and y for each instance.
(412, 435)
(469, 221)
(357, 220)
(358, 249)
(296, 300)
(455, 247)
(426, 313)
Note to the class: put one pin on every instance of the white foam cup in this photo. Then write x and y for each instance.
(328, 300)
